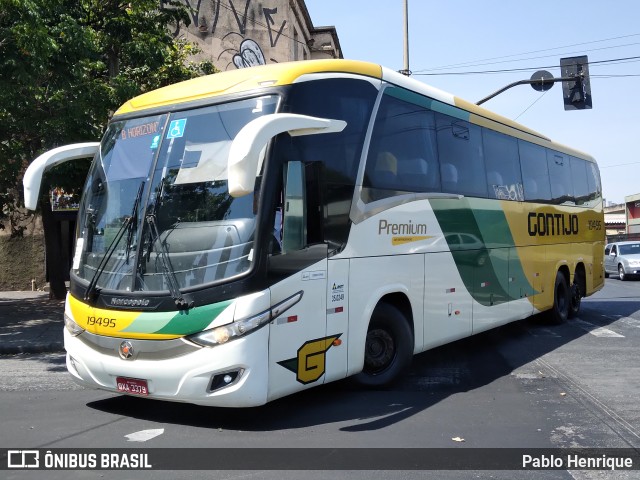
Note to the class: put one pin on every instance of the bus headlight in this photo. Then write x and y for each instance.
(226, 333)
(72, 326)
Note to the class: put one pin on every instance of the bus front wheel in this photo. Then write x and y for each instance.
(561, 300)
(388, 347)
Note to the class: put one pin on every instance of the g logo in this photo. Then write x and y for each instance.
(126, 350)
(310, 364)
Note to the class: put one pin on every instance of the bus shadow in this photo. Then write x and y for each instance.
(461, 366)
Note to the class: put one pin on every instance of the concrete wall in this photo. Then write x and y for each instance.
(242, 33)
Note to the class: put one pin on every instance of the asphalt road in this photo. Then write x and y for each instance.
(528, 384)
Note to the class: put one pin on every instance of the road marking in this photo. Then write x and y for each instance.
(595, 330)
(144, 435)
(632, 322)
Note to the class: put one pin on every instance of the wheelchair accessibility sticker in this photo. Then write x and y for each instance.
(176, 128)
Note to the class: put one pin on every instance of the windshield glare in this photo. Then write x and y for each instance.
(158, 188)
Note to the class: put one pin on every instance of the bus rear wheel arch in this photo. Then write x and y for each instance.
(388, 347)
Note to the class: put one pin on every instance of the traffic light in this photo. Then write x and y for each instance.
(576, 93)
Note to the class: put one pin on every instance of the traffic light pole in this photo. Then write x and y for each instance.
(541, 82)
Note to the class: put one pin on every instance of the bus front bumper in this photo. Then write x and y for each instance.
(178, 371)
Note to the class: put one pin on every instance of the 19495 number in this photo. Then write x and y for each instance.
(102, 321)
(594, 224)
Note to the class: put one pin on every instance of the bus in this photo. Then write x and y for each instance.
(254, 233)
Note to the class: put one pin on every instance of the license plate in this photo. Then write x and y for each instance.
(134, 386)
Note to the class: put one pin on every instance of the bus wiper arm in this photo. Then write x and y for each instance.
(133, 222)
(167, 270)
(91, 289)
(127, 226)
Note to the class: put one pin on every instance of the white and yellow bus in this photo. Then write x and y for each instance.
(253, 233)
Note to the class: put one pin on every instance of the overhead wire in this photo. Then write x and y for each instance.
(613, 61)
(473, 63)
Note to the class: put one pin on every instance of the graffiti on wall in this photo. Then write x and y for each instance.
(208, 17)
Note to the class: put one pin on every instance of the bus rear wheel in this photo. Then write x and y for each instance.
(576, 300)
(561, 300)
(388, 348)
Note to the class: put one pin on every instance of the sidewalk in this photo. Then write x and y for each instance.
(30, 323)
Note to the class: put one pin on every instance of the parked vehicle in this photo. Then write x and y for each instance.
(622, 259)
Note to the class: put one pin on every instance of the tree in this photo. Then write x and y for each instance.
(65, 66)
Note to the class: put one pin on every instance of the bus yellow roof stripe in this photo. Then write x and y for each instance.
(243, 80)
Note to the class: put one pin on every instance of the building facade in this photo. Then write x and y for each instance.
(632, 211)
(243, 33)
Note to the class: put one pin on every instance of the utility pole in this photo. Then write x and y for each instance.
(405, 70)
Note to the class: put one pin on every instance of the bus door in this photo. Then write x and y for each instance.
(297, 337)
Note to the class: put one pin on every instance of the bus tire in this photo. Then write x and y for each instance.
(576, 300)
(561, 300)
(388, 347)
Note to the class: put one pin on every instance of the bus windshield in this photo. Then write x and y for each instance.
(156, 210)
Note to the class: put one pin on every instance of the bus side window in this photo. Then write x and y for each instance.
(504, 180)
(535, 173)
(294, 222)
(560, 176)
(298, 250)
(403, 153)
(460, 146)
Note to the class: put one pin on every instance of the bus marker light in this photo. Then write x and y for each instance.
(291, 319)
(450, 290)
(457, 312)
(337, 342)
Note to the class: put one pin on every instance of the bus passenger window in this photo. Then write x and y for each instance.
(535, 173)
(560, 176)
(504, 180)
(460, 145)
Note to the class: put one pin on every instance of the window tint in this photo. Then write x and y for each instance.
(331, 159)
(581, 190)
(535, 173)
(461, 158)
(504, 180)
(593, 180)
(341, 99)
(560, 177)
(403, 154)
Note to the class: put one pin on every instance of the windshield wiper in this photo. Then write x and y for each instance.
(167, 270)
(127, 226)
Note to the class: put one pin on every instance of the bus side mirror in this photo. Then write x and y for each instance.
(247, 149)
(33, 176)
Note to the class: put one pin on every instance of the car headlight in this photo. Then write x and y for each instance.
(231, 331)
(72, 326)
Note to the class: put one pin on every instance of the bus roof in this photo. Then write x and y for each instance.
(247, 79)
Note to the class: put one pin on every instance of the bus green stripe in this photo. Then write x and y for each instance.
(488, 262)
(184, 322)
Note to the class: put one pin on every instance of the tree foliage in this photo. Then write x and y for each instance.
(65, 67)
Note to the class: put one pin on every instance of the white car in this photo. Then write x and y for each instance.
(622, 259)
